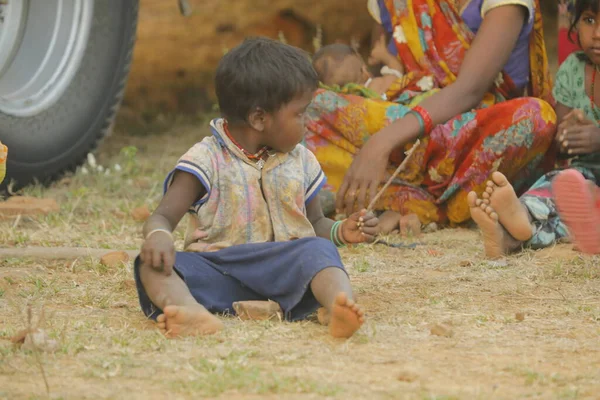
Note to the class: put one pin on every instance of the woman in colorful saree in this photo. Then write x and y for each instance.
(469, 64)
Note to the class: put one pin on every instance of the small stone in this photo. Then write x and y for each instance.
(520, 316)
(466, 263)
(258, 310)
(21, 205)
(114, 259)
(119, 304)
(441, 330)
(407, 376)
(498, 263)
(140, 214)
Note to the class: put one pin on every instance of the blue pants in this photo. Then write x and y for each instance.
(278, 271)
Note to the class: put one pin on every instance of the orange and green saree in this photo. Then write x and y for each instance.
(506, 133)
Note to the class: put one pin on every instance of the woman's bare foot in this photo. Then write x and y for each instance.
(346, 317)
(187, 321)
(389, 221)
(487, 221)
(513, 216)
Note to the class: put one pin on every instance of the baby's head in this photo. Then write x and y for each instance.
(340, 64)
(266, 85)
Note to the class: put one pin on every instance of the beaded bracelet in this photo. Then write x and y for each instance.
(421, 122)
(428, 122)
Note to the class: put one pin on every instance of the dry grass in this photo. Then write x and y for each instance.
(108, 350)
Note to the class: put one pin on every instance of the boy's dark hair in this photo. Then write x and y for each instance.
(261, 73)
(582, 6)
(323, 58)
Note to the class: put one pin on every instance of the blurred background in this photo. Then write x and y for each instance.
(175, 56)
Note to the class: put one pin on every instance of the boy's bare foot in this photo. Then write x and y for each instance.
(388, 222)
(187, 321)
(513, 216)
(487, 221)
(346, 317)
(323, 316)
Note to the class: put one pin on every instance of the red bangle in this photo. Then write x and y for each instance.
(426, 118)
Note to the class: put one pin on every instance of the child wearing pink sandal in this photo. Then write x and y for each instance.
(578, 203)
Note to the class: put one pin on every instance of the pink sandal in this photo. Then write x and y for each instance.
(578, 209)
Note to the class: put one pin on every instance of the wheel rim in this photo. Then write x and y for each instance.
(42, 44)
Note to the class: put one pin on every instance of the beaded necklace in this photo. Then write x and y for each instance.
(258, 157)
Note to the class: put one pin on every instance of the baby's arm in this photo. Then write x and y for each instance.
(380, 54)
(158, 249)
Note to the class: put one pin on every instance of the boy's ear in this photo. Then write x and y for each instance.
(257, 118)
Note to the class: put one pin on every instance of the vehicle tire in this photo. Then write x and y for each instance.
(50, 128)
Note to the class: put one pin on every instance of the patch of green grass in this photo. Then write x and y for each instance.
(362, 265)
(236, 372)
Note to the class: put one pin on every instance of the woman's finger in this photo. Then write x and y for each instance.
(350, 198)
(362, 196)
(341, 194)
(373, 186)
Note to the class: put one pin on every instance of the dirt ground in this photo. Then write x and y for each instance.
(107, 350)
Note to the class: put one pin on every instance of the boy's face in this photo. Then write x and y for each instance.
(286, 127)
(588, 29)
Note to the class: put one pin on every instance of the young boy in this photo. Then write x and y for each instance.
(253, 189)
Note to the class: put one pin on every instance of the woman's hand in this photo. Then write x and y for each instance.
(360, 227)
(364, 175)
(158, 251)
(380, 53)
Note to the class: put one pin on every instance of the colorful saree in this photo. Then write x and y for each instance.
(505, 133)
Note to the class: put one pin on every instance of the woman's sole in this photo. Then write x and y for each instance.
(577, 208)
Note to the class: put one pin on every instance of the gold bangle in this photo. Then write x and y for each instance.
(159, 230)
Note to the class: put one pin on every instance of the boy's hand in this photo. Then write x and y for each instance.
(158, 251)
(360, 227)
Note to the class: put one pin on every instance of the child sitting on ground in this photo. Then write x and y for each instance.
(253, 189)
(340, 65)
(538, 219)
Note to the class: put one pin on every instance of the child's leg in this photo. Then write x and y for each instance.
(331, 287)
(182, 314)
(512, 214)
